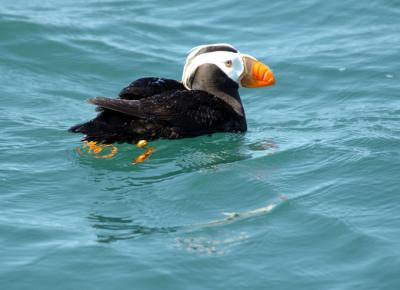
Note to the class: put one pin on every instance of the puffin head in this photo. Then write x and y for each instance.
(221, 67)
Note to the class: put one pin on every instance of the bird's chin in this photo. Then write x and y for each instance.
(256, 74)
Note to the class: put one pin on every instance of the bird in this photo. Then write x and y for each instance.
(205, 101)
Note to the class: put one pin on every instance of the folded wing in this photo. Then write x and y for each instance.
(185, 109)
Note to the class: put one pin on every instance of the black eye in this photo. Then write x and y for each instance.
(228, 63)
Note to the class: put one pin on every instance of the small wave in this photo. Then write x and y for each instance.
(111, 229)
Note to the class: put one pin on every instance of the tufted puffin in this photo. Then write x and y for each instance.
(205, 101)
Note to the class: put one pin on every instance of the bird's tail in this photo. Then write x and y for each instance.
(92, 132)
(108, 127)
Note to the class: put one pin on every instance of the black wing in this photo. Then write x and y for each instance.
(147, 87)
(111, 126)
(193, 112)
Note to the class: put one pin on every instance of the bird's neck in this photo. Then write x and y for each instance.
(219, 85)
(230, 96)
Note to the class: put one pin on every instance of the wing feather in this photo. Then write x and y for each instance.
(183, 108)
(147, 87)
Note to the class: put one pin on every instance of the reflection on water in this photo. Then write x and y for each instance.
(175, 157)
(172, 159)
(187, 154)
(110, 229)
(206, 245)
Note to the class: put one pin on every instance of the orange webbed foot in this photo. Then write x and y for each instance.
(92, 147)
(142, 157)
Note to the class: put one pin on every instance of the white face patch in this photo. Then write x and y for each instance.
(230, 63)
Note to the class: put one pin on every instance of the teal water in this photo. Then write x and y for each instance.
(314, 182)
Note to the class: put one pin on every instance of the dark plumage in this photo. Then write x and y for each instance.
(152, 108)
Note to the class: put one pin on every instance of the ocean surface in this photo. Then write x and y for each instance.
(308, 198)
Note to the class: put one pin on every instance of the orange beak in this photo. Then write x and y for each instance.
(256, 74)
